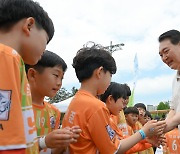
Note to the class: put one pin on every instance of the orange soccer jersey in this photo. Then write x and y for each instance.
(93, 117)
(17, 126)
(47, 118)
(173, 141)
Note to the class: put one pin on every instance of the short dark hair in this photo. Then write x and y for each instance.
(133, 110)
(172, 35)
(12, 11)
(140, 105)
(148, 114)
(128, 90)
(116, 90)
(48, 59)
(88, 59)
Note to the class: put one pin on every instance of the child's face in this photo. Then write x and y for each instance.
(131, 118)
(141, 112)
(143, 120)
(116, 107)
(49, 81)
(34, 44)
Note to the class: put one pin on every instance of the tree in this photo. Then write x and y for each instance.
(61, 95)
(163, 106)
(74, 90)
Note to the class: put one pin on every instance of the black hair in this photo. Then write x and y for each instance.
(128, 90)
(140, 105)
(148, 114)
(48, 59)
(172, 35)
(133, 110)
(12, 11)
(88, 59)
(116, 90)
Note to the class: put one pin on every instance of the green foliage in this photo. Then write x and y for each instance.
(61, 95)
(163, 106)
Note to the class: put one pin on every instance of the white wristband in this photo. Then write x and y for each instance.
(42, 143)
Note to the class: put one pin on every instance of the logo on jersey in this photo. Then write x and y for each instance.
(110, 132)
(52, 122)
(5, 101)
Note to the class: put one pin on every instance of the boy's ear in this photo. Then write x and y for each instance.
(31, 74)
(110, 99)
(28, 25)
(99, 72)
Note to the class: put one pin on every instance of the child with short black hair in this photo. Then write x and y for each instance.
(45, 79)
(94, 67)
(25, 30)
(131, 114)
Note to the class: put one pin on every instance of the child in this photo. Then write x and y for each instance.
(121, 118)
(173, 142)
(142, 110)
(94, 67)
(148, 116)
(142, 120)
(131, 114)
(117, 92)
(25, 29)
(45, 79)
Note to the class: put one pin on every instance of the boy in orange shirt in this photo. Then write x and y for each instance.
(25, 30)
(45, 79)
(94, 67)
(120, 119)
(117, 92)
(131, 114)
(173, 142)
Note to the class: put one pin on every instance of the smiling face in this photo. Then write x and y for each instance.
(170, 54)
(48, 82)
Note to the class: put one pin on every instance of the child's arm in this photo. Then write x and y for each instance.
(139, 147)
(132, 140)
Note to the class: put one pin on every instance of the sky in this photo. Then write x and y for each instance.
(137, 24)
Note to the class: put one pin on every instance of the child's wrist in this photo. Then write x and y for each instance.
(42, 143)
(142, 133)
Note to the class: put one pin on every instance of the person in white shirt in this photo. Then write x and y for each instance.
(169, 50)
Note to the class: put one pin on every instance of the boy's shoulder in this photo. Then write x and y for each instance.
(51, 106)
(87, 99)
(9, 52)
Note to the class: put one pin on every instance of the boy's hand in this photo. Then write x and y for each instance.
(59, 138)
(76, 132)
(154, 127)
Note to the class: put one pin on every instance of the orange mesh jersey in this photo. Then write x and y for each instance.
(17, 126)
(47, 118)
(93, 117)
